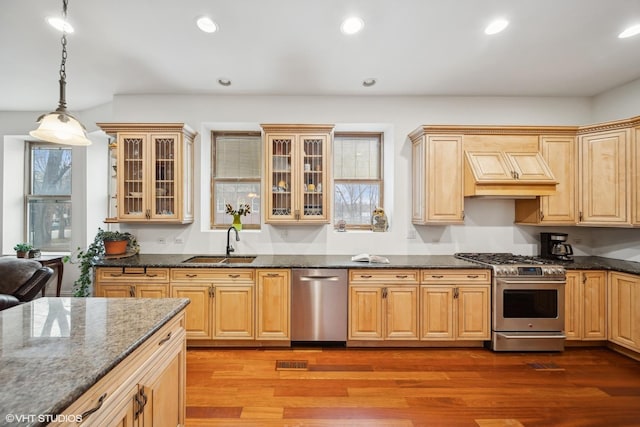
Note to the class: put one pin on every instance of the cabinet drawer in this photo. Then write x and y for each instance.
(234, 275)
(456, 276)
(132, 274)
(383, 276)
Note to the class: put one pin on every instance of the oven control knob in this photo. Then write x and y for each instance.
(513, 271)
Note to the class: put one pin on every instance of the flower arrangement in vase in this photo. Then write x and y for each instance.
(243, 209)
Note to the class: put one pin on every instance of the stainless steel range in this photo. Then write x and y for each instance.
(527, 301)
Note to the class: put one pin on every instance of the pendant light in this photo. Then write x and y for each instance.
(59, 126)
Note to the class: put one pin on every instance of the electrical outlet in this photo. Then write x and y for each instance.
(411, 234)
(178, 241)
(162, 241)
(577, 241)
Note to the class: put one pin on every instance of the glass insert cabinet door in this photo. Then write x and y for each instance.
(148, 168)
(297, 167)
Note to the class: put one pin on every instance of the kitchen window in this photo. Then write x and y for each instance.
(357, 173)
(236, 177)
(48, 196)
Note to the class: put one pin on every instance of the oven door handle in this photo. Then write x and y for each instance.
(532, 336)
(531, 282)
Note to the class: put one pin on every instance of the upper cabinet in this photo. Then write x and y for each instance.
(559, 152)
(604, 196)
(437, 191)
(153, 172)
(636, 169)
(298, 184)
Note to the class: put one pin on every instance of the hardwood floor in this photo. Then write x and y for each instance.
(411, 387)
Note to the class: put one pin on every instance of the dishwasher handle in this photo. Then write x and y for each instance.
(316, 278)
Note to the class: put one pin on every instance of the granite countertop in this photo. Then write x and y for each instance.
(291, 261)
(52, 350)
(344, 261)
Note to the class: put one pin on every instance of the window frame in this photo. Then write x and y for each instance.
(29, 196)
(380, 181)
(213, 180)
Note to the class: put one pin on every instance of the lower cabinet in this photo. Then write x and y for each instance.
(273, 302)
(455, 305)
(585, 305)
(222, 302)
(146, 389)
(234, 305)
(624, 312)
(113, 282)
(383, 305)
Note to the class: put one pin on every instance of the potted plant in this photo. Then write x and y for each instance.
(96, 250)
(22, 249)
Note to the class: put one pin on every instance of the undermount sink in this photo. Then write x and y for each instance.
(204, 259)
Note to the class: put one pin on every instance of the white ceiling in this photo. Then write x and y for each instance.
(294, 47)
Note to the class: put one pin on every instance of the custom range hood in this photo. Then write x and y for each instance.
(507, 175)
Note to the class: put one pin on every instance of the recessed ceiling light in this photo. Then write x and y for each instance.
(368, 82)
(630, 32)
(496, 26)
(352, 25)
(224, 82)
(60, 24)
(206, 24)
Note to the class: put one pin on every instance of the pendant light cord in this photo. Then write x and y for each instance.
(62, 105)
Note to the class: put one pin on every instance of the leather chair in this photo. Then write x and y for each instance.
(21, 280)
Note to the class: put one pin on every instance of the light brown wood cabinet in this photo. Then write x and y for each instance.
(495, 172)
(636, 174)
(586, 305)
(273, 302)
(153, 172)
(139, 282)
(559, 152)
(437, 190)
(624, 310)
(383, 305)
(455, 305)
(146, 389)
(604, 177)
(298, 180)
(222, 302)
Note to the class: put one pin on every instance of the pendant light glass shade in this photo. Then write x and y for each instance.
(59, 126)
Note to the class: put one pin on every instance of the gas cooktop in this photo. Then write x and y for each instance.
(503, 258)
(521, 266)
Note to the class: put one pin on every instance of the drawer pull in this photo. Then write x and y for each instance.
(365, 276)
(115, 274)
(165, 339)
(273, 275)
(472, 276)
(191, 275)
(437, 276)
(132, 291)
(95, 408)
(234, 276)
(152, 275)
(401, 276)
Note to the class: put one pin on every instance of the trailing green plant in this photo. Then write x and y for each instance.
(86, 258)
(22, 247)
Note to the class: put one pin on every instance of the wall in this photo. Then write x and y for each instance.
(489, 223)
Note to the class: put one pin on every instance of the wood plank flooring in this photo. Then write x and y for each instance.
(411, 387)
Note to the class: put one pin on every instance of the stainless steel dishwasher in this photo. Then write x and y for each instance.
(319, 305)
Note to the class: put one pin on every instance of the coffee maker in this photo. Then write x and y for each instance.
(553, 246)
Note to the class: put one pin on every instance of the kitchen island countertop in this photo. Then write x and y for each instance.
(52, 350)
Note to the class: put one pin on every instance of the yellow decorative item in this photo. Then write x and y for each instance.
(243, 209)
(311, 187)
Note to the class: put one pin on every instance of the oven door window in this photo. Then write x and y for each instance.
(530, 303)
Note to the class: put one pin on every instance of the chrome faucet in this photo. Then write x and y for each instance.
(229, 247)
